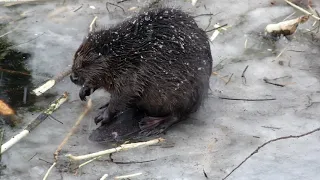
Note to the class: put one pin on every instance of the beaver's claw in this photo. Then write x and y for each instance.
(103, 115)
(84, 91)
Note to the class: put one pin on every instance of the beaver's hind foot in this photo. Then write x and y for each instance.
(151, 126)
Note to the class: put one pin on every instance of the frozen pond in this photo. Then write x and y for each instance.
(216, 139)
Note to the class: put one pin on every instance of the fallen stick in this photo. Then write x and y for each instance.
(92, 23)
(1, 139)
(266, 80)
(302, 10)
(127, 176)
(268, 142)
(113, 150)
(33, 124)
(71, 132)
(104, 177)
(49, 84)
(65, 140)
(49, 170)
(243, 77)
(244, 99)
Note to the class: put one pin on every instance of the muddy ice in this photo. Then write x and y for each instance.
(216, 139)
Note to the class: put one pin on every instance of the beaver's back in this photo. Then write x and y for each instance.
(160, 59)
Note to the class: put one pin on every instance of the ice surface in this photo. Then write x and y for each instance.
(220, 135)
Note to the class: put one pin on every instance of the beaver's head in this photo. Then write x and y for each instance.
(89, 68)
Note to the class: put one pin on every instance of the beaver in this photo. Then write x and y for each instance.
(158, 61)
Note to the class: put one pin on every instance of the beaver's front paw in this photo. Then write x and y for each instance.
(103, 115)
(84, 91)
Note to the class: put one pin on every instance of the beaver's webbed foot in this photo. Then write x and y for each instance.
(156, 125)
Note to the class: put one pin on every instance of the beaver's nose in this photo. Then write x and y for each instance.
(74, 77)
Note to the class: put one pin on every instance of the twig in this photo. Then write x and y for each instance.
(50, 83)
(269, 127)
(122, 1)
(116, 6)
(92, 23)
(208, 14)
(244, 99)
(280, 53)
(229, 79)
(244, 80)
(6, 33)
(47, 174)
(303, 10)
(32, 156)
(217, 28)
(40, 159)
(55, 119)
(14, 72)
(33, 124)
(205, 174)
(133, 162)
(266, 80)
(78, 8)
(88, 107)
(1, 139)
(117, 149)
(26, 41)
(268, 142)
(104, 177)
(56, 153)
(127, 176)
(87, 162)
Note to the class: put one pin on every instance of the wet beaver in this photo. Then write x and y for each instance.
(158, 61)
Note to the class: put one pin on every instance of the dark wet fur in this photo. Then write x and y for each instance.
(158, 62)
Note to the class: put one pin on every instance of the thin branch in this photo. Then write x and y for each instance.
(26, 41)
(266, 80)
(33, 124)
(117, 149)
(92, 23)
(47, 174)
(268, 142)
(78, 8)
(32, 156)
(217, 28)
(302, 10)
(133, 162)
(73, 129)
(244, 99)
(229, 79)
(116, 6)
(244, 80)
(127, 176)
